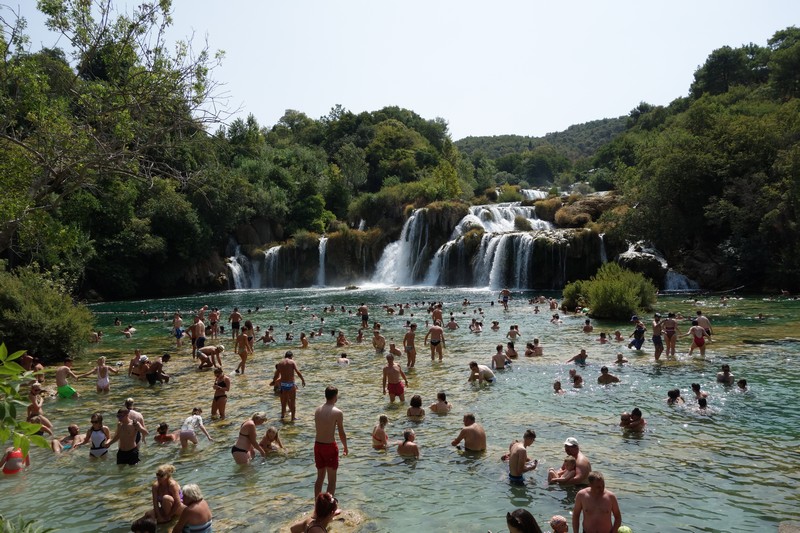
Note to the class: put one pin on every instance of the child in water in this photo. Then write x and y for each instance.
(565, 473)
(271, 440)
(416, 410)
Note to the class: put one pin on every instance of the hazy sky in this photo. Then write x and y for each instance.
(487, 68)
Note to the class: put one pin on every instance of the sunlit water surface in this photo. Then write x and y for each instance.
(737, 469)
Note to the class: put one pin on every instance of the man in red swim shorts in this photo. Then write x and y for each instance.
(327, 419)
(392, 374)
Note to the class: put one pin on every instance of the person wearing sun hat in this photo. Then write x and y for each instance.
(582, 465)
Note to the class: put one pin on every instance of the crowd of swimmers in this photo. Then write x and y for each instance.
(597, 506)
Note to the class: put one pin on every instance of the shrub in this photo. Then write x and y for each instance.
(522, 224)
(509, 193)
(613, 292)
(546, 209)
(38, 315)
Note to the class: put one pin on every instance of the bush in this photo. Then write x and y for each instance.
(38, 315)
(613, 292)
(522, 224)
(546, 209)
(509, 193)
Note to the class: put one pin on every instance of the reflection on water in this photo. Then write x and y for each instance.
(734, 469)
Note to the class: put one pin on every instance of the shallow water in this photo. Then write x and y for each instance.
(736, 469)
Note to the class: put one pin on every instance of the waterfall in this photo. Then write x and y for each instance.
(400, 263)
(362, 224)
(239, 265)
(271, 265)
(603, 255)
(534, 194)
(677, 282)
(323, 244)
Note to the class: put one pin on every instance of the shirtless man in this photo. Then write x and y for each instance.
(284, 374)
(597, 505)
(472, 434)
(518, 461)
(363, 312)
(725, 377)
(452, 325)
(704, 323)
(156, 371)
(210, 356)
(72, 439)
(605, 378)
(582, 465)
(436, 335)
(378, 341)
(198, 333)
(177, 329)
(480, 373)
(392, 373)
(658, 342)
(213, 320)
(128, 452)
(500, 359)
(235, 320)
(436, 314)
(62, 373)
(587, 326)
(135, 416)
(327, 419)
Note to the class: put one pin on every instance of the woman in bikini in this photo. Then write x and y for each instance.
(222, 384)
(247, 442)
(242, 347)
(670, 329)
(167, 496)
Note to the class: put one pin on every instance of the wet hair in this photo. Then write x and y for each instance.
(742, 383)
(499, 348)
(196, 409)
(416, 401)
(470, 416)
(218, 371)
(166, 357)
(473, 364)
(695, 386)
(325, 505)
(383, 420)
(523, 520)
(441, 395)
(604, 369)
(702, 402)
(144, 525)
(529, 434)
(636, 412)
(163, 427)
(407, 435)
(259, 415)
(331, 392)
(192, 493)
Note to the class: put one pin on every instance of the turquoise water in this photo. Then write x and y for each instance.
(736, 469)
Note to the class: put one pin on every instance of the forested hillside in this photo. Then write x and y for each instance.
(576, 142)
(117, 183)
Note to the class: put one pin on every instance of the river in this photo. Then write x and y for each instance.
(734, 469)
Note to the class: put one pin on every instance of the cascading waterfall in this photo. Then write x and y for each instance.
(534, 194)
(323, 244)
(271, 265)
(400, 263)
(603, 254)
(239, 265)
(505, 253)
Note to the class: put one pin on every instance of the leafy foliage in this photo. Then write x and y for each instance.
(36, 313)
(12, 375)
(614, 293)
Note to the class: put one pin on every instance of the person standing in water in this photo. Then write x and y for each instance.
(328, 419)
